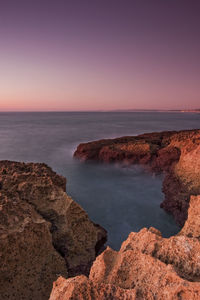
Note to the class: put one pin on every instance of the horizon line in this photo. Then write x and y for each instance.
(101, 110)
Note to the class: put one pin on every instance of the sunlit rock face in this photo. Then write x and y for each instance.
(43, 232)
(147, 266)
(176, 154)
(82, 288)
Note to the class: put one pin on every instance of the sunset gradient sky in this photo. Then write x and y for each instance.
(99, 55)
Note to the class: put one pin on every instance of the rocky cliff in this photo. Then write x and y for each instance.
(147, 266)
(176, 154)
(43, 232)
(45, 235)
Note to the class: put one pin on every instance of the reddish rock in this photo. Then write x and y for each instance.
(177, 154)
(28, 261)
(146, 267)
(43, 232)
(82, 288)
(192, 225)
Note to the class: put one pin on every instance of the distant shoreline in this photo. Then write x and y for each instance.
(109, 111)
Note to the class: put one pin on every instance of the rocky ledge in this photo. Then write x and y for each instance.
(43, 232)
(176, 154)
(147, 266)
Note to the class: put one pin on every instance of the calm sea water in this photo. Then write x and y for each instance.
(120, 199)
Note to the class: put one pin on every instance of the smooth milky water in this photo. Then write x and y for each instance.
(120, 199)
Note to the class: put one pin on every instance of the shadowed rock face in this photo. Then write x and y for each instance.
(43, 232)
(177, 154)
(147, 266)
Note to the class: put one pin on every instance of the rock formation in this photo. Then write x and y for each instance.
(45, 235)
(43, 232)
(82, 288)
(147, 266)
(177, 154)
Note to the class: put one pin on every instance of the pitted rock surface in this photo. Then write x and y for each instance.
(43, 232)
(147, 266)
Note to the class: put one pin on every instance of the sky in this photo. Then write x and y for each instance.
(99, 55)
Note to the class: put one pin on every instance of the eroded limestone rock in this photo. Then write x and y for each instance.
(147, 266)
(177, 154)
(43, 232)
(82, 288)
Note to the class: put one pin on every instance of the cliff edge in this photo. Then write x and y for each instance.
(43, 232)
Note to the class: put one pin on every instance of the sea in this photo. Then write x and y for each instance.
(121, 199)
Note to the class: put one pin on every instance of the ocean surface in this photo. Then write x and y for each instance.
(120, 199)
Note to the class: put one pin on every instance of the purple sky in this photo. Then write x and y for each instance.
(99, 54)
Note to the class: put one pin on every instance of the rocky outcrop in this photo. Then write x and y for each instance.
(43, 232)
(177, 154)
(147, 266)
(192, 226)
(82, 288)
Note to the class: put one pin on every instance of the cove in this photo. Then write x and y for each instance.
(121, 199)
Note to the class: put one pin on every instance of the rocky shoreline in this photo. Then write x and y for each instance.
(176, 154)
(147, 266)
(47, 239)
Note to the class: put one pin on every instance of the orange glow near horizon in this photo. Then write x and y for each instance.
(32, 85)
